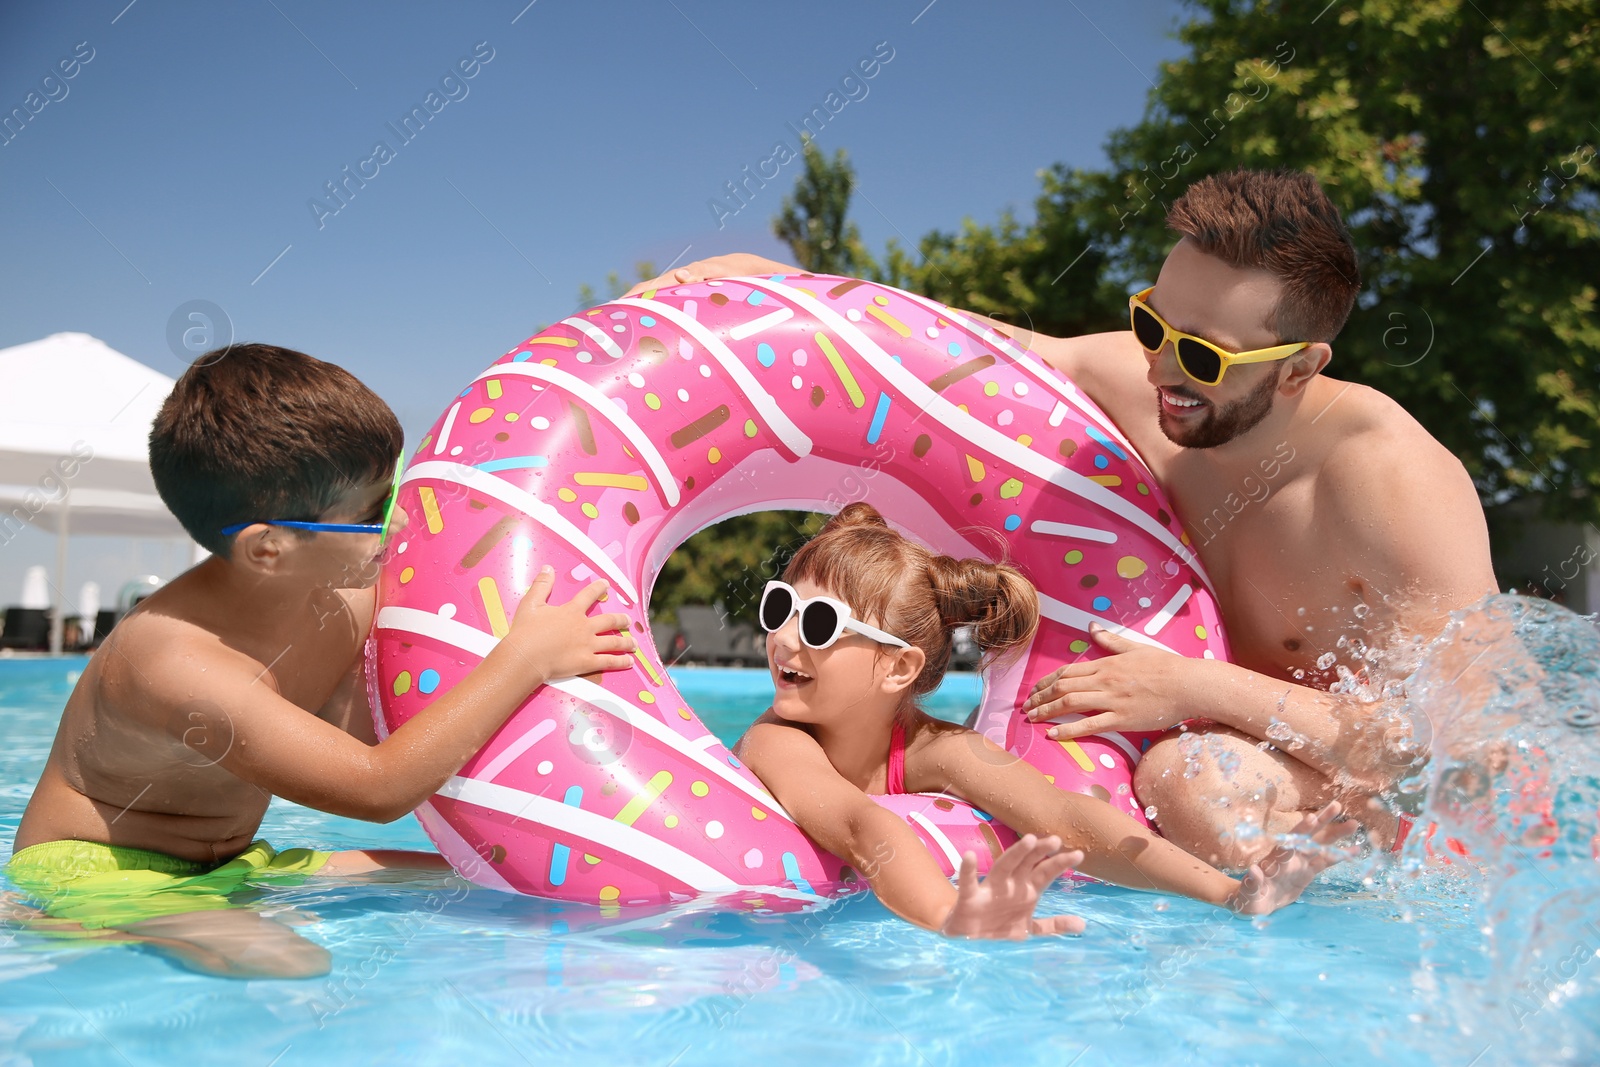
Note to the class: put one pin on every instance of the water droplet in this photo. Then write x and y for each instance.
(1361, 611)
(1326, 660)
(1150, 813)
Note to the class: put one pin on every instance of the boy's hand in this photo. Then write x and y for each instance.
(564, 640)
(1001, 906)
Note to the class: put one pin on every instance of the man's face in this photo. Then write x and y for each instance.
(1227, 306)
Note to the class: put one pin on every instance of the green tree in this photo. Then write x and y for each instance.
(1457, 137)
(730, 562)
(813, 220)
(615, 286)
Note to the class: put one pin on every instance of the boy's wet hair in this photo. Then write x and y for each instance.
(898, 585)
(253, 432)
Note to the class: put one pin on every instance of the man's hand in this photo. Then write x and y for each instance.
(564, 640)
(1135, 688)
(1001, 906)
(733, 265)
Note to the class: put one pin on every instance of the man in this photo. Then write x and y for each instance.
(1333, 527)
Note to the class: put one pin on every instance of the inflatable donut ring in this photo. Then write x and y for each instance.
(602, 443)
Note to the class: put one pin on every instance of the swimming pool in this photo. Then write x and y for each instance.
(1375, 964)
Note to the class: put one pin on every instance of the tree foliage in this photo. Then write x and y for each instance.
(814, 219)
(1458, 139)
(730, 562)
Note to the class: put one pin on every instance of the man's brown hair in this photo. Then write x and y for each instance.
(1281, 222)
(253, 432)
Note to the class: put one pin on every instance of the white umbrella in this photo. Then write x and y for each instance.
(35, 588)
(89, 602)
(75, 419)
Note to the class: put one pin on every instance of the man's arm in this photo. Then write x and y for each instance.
(1409, 524)
(732, 265)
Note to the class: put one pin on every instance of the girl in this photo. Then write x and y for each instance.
(844, 724)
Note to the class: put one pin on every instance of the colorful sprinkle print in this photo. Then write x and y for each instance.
(587, 445)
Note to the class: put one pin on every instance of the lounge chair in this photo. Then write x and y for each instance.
(711, 638)
(26, 628)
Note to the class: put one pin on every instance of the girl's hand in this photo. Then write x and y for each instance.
(1001, 906)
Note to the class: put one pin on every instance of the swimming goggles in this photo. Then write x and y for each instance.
(381, 527)
(822, 618)
(1197, 357)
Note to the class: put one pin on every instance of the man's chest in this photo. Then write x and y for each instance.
(1286, 591)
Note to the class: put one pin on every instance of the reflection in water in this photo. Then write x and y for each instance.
(1510, 695)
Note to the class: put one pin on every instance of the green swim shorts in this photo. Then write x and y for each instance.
(97, 886)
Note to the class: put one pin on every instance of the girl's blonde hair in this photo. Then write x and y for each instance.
(899, 586)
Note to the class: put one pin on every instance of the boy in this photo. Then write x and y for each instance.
(242, 679)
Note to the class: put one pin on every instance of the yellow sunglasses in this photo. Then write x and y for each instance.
(1197, 357)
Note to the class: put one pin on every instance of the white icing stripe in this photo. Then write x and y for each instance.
(475, 641)
(448, 631)
(511, 752)
(945, 844)
(607, 833)
(978, 434)
(607, 701)
(533, 507)
(444, 431)
(1066, 529)
(1110, 736)
(793, 438)
(595, 334)
(1022, 359)
(454, 847)
(1173, 606)
(1066, 389)
(605, 408)
(1078, 619)
(765, 322)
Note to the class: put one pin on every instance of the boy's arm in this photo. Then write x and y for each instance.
(264, 739)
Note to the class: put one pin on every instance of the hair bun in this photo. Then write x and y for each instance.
(858, 514)
(994, 599)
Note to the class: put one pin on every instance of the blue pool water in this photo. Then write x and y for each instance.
(1370, 967)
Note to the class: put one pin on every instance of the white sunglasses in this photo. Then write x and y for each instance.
(822, 618)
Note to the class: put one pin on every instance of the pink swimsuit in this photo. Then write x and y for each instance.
(896, 781)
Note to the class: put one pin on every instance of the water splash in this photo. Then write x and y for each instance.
(1510, 697)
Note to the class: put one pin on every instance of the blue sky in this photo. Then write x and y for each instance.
(179, 163)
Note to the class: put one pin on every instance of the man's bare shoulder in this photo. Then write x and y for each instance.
(1402, 502)
(1376, 451)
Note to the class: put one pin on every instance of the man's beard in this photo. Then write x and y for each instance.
(1221, 426)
